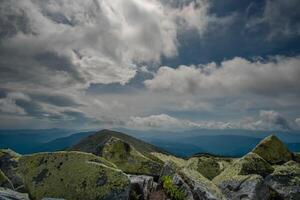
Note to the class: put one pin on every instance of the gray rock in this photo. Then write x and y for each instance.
(140, 186)
(285, 180)
(248, 187)
(200, 187)
(7, 194)
(179, 182)
(9, 166)
(169, 169)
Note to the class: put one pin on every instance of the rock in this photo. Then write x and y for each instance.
(249, 164)
(182, 186)
(140, 187)
(273, 150)
(296, 157)
(4, 181)
(128, 159)
(9, 166)
(73, 175)
(52, 199)
(208, 167)
(250, 187)
(169, 169)
(201, 187)
(165, 158)
(7, 194)
(244, 178)
(285, 180)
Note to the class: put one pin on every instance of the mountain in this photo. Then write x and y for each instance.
(29, 141)
(95, 143)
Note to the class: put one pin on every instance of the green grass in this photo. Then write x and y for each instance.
(171, 190)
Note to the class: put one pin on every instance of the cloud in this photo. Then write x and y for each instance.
(8, 104)
(280, 17)
(278, 75)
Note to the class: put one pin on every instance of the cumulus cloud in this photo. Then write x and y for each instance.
(276, 75)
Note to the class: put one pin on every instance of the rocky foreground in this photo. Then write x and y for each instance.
(119, 167)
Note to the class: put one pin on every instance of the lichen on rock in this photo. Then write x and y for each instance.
(285, 180)
(72, 175)
(273, 150)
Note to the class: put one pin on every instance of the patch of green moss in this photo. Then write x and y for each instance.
(72, 175)
(249, 164)
(208, 167)
(273, 150)
(128, 159)
(171, 190)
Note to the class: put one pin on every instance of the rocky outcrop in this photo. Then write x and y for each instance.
(200, 187)
(73, 175)
(128, 159)
(9, 166)
(7, 194)
(273, 150)
(250, 187)
(208, 166)
(285, 180)
(244, 178)
(141, 187)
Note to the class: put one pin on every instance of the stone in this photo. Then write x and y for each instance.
(208, 167)
(128, 159)
(140, 187)
(9, 167)
(248, 164)
(201, 187)
(250, 187)
(273, 150)
(73, 175)
(8, 194)
(285, 180)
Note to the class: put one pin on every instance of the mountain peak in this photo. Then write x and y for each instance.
(273, 150)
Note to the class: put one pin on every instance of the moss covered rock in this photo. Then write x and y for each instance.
(201, 187)
(273, 150)
(165, 158)
(285, 180)
(72, 175)
(9, 166)
(249, 164)
(128, 159)
(209, 167)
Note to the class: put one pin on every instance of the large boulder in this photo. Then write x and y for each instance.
(73, 175)
(140, 187)
(273, 150)
(7, 194)
(208, 166)
(285, 180)
(200, 187)
(128, 159)
(244, 178)
(250, 187)
(249, 164)
(9, 166)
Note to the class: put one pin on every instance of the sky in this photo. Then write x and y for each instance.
(150, 64)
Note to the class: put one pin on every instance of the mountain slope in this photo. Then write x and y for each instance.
(95, 143)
